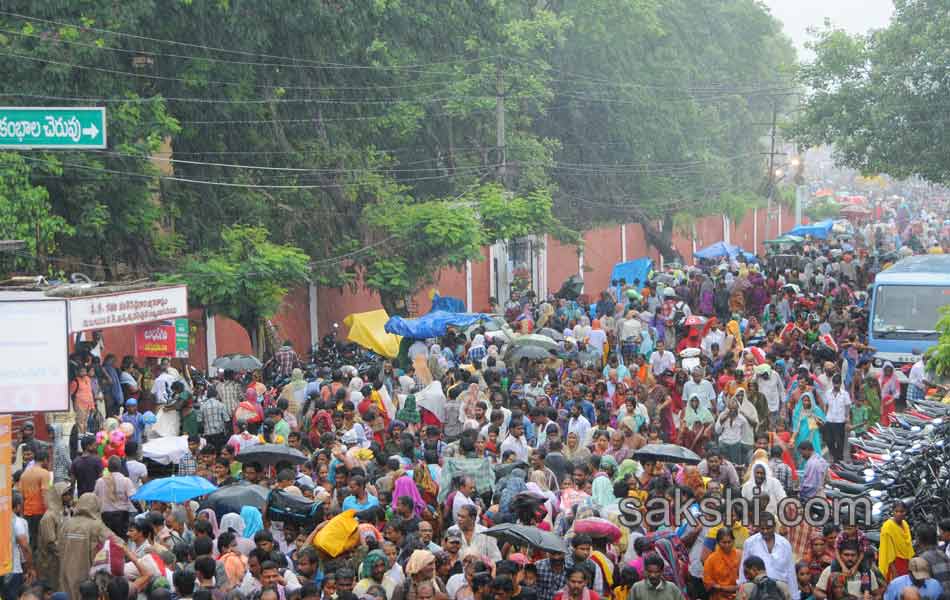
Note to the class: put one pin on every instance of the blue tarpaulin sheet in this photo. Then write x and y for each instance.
(819, 230)
(631, 271)
(433, 324)
(447, 304)
(721, 250)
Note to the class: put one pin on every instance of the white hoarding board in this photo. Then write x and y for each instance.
(34, 351)
(127, 308)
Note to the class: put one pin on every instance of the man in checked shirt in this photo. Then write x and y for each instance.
(230, 392)
(286, 359)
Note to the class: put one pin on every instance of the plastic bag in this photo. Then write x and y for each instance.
(339, 534)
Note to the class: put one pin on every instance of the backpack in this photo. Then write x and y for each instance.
(767, 589)
(679, 313)
(288, 508)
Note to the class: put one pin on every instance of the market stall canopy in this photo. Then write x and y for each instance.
(786, 239)
(433, 324)
(723, 250)
(447, 304)
(819, 230)
(368, 329)
(631, 271)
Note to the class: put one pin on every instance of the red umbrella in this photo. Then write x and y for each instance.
(694, 321)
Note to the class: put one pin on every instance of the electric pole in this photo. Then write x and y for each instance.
(500, 125)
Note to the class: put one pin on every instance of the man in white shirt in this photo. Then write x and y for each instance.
(516, 440)
(137, 470)
(837, 411)
(662, 360)
(715, 335)
(162, 387)
(463, 497)
(630, 327)
(578, 423)
(917, 388)
(775, 552)
(473, 536)
(770, 385)
(701, 388)
(22, 564)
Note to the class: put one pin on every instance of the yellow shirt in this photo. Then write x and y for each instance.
(739, 531)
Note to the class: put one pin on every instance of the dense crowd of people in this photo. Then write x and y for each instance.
(763, 372)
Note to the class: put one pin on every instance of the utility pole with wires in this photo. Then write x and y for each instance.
(771, 179)
(500, 126)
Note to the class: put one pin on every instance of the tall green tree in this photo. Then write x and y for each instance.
(109, 199)
(26, 213)
(246, 278)
(881, 98)
(659, 110)
(423, 238)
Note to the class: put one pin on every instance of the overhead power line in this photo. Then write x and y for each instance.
(291, 60)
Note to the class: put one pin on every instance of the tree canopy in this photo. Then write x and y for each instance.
(387, 139)
(881, 97)
(245, 278)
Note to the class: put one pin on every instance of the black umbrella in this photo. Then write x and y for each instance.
(271, 454)
(554, 334)
(515, 355)
(667, 453)
(237, 362)
(523, 535)
(232, 498)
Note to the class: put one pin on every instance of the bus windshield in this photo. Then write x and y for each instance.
(908, 309)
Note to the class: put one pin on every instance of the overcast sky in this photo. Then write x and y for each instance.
(855, 16)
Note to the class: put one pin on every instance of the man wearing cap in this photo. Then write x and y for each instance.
(919, 578)
(134, 418)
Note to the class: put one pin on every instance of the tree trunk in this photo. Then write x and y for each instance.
(661, 239)
(394, 304)
(250, 325)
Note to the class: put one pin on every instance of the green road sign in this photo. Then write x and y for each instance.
(181, 338)
(71, 128)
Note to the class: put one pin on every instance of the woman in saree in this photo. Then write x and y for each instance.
(808, 419)
(871, 389)
(734, 334)
(696, 425)
(896, 547)
(706, 295)
(890, 391)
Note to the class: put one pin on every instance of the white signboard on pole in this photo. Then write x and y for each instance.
(34, 350)
(127, 308)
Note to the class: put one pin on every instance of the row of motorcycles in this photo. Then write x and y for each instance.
(907, 461)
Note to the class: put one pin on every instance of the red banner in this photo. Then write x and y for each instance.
(155, 340)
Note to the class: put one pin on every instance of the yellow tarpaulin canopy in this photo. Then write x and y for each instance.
(368, 330)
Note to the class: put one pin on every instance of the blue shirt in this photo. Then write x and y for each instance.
(352, 502)
(931, 589)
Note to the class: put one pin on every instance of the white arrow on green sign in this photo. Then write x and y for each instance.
(68, 128)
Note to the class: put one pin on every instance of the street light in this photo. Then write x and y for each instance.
(779, 173)
(796, 162)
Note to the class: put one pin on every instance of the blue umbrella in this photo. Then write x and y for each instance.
(174, 489)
